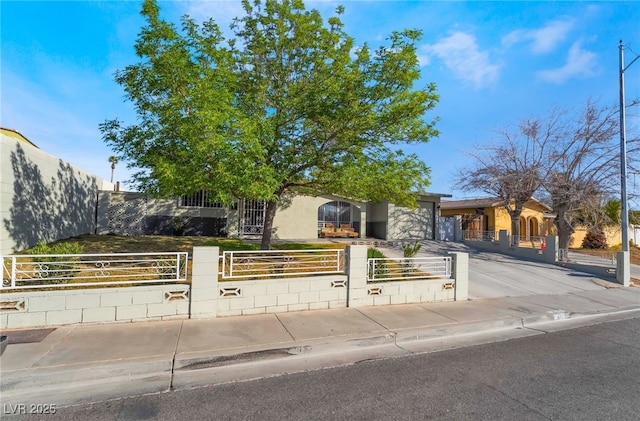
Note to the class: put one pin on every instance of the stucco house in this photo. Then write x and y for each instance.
(300, 218)
(46, 199)
(489, 215)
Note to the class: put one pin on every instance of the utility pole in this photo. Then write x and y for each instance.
(623, 153)
(623, 158)
(623, 265)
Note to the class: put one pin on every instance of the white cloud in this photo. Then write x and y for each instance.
(543, 40)
(222, 11)
(461, 55)
(580, 63)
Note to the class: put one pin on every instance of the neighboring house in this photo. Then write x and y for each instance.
(42, 198)
(489, 215)
(613, 235)
(302, 217)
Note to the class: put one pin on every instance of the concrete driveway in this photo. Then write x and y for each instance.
(493, 275)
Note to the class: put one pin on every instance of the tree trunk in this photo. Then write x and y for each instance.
(565, 230)
(267, 228)
(515, 222)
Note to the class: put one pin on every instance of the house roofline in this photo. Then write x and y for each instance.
(19, 135)
(422, 193)
(483, 202)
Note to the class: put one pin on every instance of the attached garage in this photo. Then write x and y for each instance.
(390, 222)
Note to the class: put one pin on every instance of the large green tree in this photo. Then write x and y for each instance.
(288, 105)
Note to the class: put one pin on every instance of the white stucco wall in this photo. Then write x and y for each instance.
(208, 296)
(42, 197)
(405, 223)
(390, 222)
(299, 219)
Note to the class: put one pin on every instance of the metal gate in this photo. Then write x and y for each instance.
(447, 228)
(252, 221)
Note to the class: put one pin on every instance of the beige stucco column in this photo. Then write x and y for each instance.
(460, 272)
(623, 268)
(204, 282)
(357, 276)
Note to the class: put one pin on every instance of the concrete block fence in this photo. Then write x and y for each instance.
(208, 297)
(504, 246)
(93, 305)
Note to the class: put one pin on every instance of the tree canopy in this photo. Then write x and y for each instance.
(288, 105)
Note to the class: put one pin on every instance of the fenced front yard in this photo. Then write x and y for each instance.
(51, 289)
(79, 270)
(402, 269)
(267, 263)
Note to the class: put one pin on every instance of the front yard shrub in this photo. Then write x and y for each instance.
(57, 248)
(53, 270)
(373, 253)
(595, 240)
(410, 250)
(381, 268)
(179, 225)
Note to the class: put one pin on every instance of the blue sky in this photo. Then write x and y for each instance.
(494, 63)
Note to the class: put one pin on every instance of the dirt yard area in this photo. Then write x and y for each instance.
(99, 244)
(634, 253)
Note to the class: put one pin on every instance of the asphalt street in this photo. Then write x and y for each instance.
(589, 373)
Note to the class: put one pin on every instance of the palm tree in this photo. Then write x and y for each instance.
(113, 160)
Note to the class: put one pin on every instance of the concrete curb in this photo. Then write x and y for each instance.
(96, 371)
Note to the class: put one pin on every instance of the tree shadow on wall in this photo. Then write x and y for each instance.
(48, 210)
(413, 224)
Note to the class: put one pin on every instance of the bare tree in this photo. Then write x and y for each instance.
(571, 160)
(584, 166)
(511, 168)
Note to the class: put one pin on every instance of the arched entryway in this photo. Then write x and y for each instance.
(523, 228)
(533, 227)
(339, 213)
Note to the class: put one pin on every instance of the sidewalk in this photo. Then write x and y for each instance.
(84, 363)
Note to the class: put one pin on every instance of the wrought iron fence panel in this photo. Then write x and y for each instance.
(480, 235)
(532, 241)
(395, 269)
(272, 263)
(64, 270)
